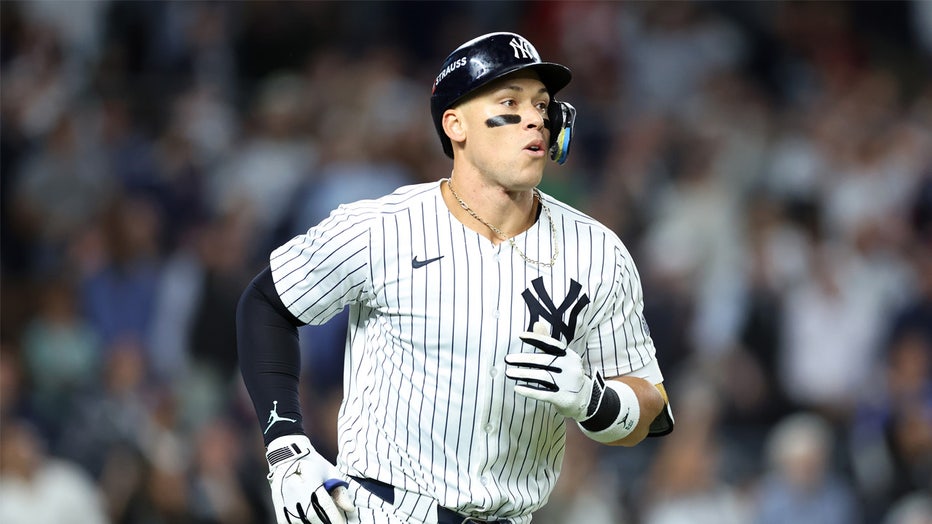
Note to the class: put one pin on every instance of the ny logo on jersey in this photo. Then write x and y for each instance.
(542, 306)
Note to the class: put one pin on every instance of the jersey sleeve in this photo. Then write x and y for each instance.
(620, 343)
(318, 273)
(623, 338)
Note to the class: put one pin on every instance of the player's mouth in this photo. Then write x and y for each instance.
(536, 148)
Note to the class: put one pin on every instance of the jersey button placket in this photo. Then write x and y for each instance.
(496, 251)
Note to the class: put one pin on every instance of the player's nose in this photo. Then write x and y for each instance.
(534, 117)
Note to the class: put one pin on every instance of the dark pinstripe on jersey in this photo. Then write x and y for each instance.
(426, 403)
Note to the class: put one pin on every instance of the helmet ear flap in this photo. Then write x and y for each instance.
(562, 119)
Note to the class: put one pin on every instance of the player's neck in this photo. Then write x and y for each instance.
(492, 211)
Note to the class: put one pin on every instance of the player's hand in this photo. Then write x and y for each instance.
(555, 375)
(306, 488)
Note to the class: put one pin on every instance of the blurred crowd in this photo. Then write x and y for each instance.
(768, 164)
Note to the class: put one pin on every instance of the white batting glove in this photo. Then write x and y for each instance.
(306, 488)
(555, 376)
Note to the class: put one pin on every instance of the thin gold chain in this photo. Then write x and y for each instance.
(501, 234)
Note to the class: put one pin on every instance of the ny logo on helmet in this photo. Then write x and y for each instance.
(523, 48)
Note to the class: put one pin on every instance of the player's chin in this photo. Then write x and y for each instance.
(524, 173)
(534, 170)
(528, 180)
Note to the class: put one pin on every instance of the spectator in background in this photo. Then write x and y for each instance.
(118, 297)
(821, 368)
(891, 431)
(218, 492)
(357, 158)
(672, 49)
(199, 132)
(62, 353)
(36, 488)
(686, 483)
(58, 188)
(222, 258)
(116, 415)
(274, 155)
(801, 483)
(15, 400)
(915, 508)
(754, 396)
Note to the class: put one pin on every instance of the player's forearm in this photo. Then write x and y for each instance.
(651, 404)
(269, 357)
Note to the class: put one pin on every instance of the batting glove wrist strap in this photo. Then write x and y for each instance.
(616, 412)
(288, 447)
(306, 488)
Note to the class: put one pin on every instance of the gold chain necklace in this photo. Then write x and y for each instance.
(511, 240)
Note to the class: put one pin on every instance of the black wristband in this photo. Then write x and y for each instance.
(598, 389)
(606, 410)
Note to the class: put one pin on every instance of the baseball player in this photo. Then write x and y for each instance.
(484, 317)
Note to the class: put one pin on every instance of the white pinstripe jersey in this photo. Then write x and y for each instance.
(427, 406)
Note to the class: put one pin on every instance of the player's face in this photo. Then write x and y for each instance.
(506, 139)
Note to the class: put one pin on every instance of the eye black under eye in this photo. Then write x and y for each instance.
(503, 120)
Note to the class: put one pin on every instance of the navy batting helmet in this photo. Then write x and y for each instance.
(491, 56)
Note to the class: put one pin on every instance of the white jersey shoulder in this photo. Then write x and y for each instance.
(321, 271)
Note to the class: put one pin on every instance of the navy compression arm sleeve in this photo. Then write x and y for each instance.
(269, 357)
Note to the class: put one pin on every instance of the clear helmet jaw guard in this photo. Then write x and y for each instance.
(562, 119)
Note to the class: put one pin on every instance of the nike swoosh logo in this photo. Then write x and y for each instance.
(415, 263)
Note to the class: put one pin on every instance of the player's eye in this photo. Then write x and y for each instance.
(509, 103)
(542, 107)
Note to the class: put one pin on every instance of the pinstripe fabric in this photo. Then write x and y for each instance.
(427, 407)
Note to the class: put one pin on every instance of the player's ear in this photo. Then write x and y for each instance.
(453, 125)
